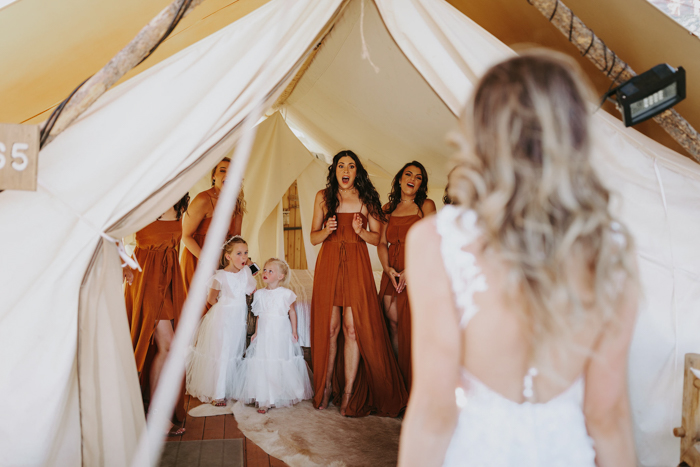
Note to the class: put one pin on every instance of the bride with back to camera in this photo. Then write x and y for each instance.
(522, 326)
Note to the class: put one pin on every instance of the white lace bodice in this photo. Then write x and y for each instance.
(492, 430)
(273, 302)
(233, 286)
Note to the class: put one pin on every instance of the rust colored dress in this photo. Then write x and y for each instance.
(188, 262)
(343, 268)
(396, 237)
(157, 293)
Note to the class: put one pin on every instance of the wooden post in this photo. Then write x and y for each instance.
(689, 431)
(125, 60)
(614, 68)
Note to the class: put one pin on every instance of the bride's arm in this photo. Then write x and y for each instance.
(606, 402)
(432, 413)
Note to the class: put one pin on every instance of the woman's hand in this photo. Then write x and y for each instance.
(331, 225)
(402, 282)
(252, 338)
(128, 275)
(295, 336)
(357, 224)
(393, 275)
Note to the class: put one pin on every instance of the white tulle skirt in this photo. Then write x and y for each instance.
(273, 373)
(214, 359)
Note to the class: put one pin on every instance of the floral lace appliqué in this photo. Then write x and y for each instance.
(458, 229)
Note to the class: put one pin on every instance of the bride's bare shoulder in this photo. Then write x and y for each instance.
(425, 230)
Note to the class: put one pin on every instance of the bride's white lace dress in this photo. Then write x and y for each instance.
(493, 431)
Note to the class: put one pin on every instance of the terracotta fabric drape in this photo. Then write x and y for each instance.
(157, 293)
(379, 388)
(396, 236)
(188, 263)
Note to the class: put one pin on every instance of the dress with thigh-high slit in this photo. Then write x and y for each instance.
(344, 277)
(396, 236)
(156, 293)
(188, 262)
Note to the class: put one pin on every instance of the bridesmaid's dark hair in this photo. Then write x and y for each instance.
(446, 197)
(181, 206)
(395, 195)
(368, 194)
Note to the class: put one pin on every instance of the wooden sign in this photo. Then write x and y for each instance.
(19, 156)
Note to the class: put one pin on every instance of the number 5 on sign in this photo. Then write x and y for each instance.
(19, 150)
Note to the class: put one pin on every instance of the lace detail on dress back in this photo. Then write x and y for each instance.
(458, 229)
(492, 430)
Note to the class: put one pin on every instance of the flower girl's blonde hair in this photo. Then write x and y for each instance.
(284, 269)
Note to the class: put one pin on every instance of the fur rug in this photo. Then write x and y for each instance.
(304, 436)
(208, 410)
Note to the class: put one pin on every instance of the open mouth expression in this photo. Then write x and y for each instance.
(346, 171)
(411, 180)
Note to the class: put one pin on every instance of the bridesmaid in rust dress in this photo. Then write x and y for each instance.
(195, 222)
(408, 203)
(155, 296)
(356, 366)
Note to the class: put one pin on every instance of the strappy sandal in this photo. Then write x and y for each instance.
(219, 402)
(344, 401)
(176, 431)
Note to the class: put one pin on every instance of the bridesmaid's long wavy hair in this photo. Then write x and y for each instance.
(240, 202)
(395, 195)
(181, 206)
(524, 166)
(368, 194)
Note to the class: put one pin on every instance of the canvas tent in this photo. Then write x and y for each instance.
(70, 40)
(146, 142)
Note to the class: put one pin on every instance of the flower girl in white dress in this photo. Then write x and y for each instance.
(213, 360)
(273, 373)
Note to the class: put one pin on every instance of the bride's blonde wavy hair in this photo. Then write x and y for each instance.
(524, 166)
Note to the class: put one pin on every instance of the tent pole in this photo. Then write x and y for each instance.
(130, 56)
(614, 68)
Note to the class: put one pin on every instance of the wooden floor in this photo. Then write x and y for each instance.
(223, 427)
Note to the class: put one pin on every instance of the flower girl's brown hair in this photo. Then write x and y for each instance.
(228, 248)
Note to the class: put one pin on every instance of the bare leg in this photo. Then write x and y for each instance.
(391, 310)
(164, 336)
(352, 357)
(332, 351)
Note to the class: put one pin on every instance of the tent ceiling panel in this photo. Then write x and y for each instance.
(389, 117)
(637, 31)
(51, 47)
(56, 45)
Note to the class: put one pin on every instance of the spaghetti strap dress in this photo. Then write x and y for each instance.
(343, 276)
(156, 293)
(188, 262)
(396, 236)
